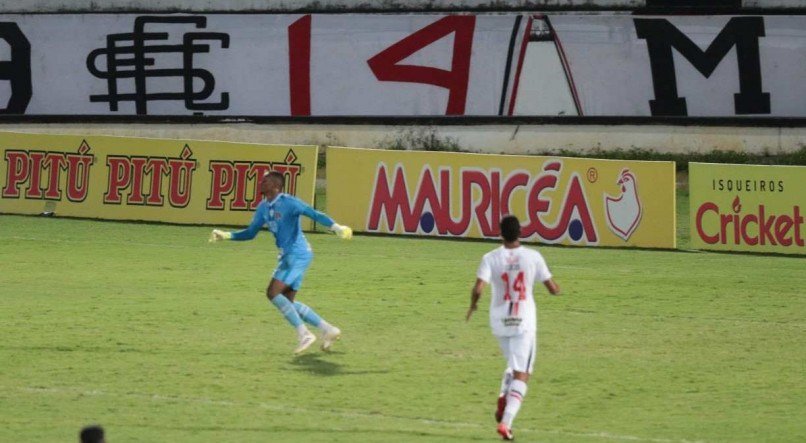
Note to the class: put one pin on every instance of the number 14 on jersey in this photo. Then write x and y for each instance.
(517, 287)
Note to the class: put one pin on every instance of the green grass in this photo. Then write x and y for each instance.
(159, 336)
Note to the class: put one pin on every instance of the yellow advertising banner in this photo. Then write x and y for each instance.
(572, 201)
(747, 207)
(121, 178)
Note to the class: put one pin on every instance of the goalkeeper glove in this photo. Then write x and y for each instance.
(341, 231)
(218, 235)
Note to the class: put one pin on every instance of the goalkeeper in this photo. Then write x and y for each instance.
(281, 212)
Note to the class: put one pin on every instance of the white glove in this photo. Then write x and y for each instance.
(219, 235)
(343, 232)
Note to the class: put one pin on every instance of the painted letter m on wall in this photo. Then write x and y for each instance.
(742, 32)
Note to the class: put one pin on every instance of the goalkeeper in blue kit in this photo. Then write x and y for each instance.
(281, 213)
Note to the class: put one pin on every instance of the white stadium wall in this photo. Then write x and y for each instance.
(354, 5)
(528, 69)
(403, 65)
(290, 5)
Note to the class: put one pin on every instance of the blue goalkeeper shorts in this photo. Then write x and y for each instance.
(291, 269)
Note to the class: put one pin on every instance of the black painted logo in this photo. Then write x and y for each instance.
(133, 57)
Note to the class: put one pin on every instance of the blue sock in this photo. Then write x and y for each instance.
(307, 314)
(287, 309)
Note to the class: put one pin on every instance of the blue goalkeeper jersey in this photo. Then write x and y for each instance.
(281, 216)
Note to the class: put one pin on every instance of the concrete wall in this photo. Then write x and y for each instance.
(512, 139)
(772, 4)
(9, 6)
(509, 139)
(291, 5)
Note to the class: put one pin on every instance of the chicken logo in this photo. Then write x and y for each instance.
(624, 211)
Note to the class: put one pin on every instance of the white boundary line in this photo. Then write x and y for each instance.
(341, 413)
(202, 242)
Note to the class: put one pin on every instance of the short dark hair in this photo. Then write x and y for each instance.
(92, 434)
(510, 228)
(279, 176)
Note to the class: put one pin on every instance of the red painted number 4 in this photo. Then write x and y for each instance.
(386, 64)
(518, 287)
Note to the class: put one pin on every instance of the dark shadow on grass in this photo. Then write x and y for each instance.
(314, 364)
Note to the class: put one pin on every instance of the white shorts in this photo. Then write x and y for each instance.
(520, 351)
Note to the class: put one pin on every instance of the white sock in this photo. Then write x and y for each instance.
(301, 330)
(325, 326)
(505, 381)
(517, 390)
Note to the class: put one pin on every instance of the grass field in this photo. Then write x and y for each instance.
(162, 337)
